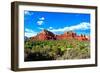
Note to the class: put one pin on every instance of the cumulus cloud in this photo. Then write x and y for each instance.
(30, 32)
(28, 13)
(44, 28)
(50, 27)
(81, 26)
(39, 22)
(42, 18)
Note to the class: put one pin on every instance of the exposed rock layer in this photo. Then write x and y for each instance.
(47, 35)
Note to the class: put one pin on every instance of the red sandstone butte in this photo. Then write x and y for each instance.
(47, 35)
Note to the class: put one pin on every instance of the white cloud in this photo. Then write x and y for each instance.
(50, 28)
(30, 33)
(40, 28)
(28, 30)
(44, 28)
(81, 26)
(39, 22)
(27, 13)
(42, 18)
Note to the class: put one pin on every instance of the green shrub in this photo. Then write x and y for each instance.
(59, 49)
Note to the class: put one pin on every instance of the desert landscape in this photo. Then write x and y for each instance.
(49, 46)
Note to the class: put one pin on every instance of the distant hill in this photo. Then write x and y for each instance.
(48, 35)
(25, 38)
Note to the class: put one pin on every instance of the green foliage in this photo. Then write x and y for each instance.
(28, 45)
(59, 49)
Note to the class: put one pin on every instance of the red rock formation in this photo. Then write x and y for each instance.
(67, 35)
(82, 38)
(47, 35)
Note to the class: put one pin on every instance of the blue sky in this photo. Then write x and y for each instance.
(56, 22)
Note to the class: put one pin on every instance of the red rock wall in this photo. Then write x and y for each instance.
(46, 35)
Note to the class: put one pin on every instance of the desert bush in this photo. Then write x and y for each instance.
(58, 49)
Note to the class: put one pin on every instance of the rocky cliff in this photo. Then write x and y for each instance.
(47, 35)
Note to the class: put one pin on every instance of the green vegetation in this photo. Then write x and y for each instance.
(56, 50)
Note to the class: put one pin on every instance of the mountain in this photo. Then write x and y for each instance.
(25, 38)
(72, 35)
(47, 35)
(67, 35)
